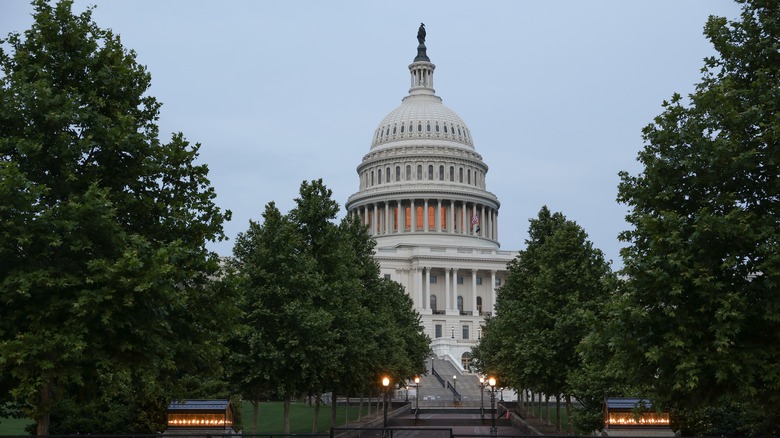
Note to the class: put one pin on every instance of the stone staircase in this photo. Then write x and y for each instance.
(433, 395)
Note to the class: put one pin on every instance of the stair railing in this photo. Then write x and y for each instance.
(438, 377)
(455, 393)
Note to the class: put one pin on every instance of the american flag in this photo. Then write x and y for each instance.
(475, 219)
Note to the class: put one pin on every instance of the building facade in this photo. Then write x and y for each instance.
(424, 198)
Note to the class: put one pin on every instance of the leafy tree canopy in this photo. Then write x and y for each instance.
(699, 322)
(102, 226)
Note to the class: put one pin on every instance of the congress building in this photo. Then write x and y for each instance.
(424, 198)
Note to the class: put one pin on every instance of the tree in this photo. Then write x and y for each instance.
(554, 288)
(309, 287)
(698, 323)
(103, 263)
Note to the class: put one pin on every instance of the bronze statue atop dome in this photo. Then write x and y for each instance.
(421, 49)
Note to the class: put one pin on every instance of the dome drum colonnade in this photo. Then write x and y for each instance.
(423, 197)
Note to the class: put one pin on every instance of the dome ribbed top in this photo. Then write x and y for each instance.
(422, 117)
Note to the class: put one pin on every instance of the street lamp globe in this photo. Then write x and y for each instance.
(385, 382)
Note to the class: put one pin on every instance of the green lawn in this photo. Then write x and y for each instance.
(270, 418)
(13, 426)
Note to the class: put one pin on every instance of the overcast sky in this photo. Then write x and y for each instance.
(555, 93)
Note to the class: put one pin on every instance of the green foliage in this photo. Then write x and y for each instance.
(103, 265)
(698, 323)
(555, 289)
(309, 287)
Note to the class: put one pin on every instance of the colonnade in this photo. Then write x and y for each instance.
(420, 289)
(428, 216)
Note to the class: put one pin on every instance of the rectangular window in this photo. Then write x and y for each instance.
(460, 280)
(498, 281)
(479, 281)
(465, 332)
(433, 279)
(387, 276)
(438, 331)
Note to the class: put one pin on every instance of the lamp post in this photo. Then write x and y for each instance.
(386, 384)
(432, 359)
(417, 396)
(482, 397)
(492, 383)
(455, 382)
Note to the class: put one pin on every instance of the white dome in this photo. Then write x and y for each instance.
(422, 116)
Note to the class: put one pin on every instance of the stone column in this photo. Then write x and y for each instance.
(375, 221)
(492, 292)
(483, 223)
(427, 286)
(413, 209)
(474, 291)
(454, 291)
(451, 217)
(447, 277)
(426, 219)
(437, 216)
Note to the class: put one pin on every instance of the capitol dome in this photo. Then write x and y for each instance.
(422, 179)
(423, 198)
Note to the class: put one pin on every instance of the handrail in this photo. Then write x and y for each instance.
(433, 371)
(455, 392)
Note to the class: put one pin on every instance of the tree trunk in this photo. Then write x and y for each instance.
(316, 423)
(44, 416)
(287, 403)
(346, 410)
(360, 408)
(549, 411)
(568, 415)
(255, 414)
(368, 404)
(558, 413)
(334, 407)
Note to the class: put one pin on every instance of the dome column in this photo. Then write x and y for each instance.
(451, 217)
(375, 226)
(426, 219)
(483, 226)
(437, 216)
(413, 209)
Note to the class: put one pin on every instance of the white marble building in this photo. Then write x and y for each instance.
(423, 195)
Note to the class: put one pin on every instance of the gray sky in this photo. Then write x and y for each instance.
(555, 93)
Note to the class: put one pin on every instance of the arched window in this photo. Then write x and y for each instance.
(479, 305)
(379, 176)
(419, 172)
(441, 173)
(460, 174)
(468, 176)
(430, 171)
(387, 174)
(408, 172)
(433, 303)
(460, 303)
(398, 173)
(465, 359)
(402, 128)
(372, 177)
(394, 129)
(452, 173)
